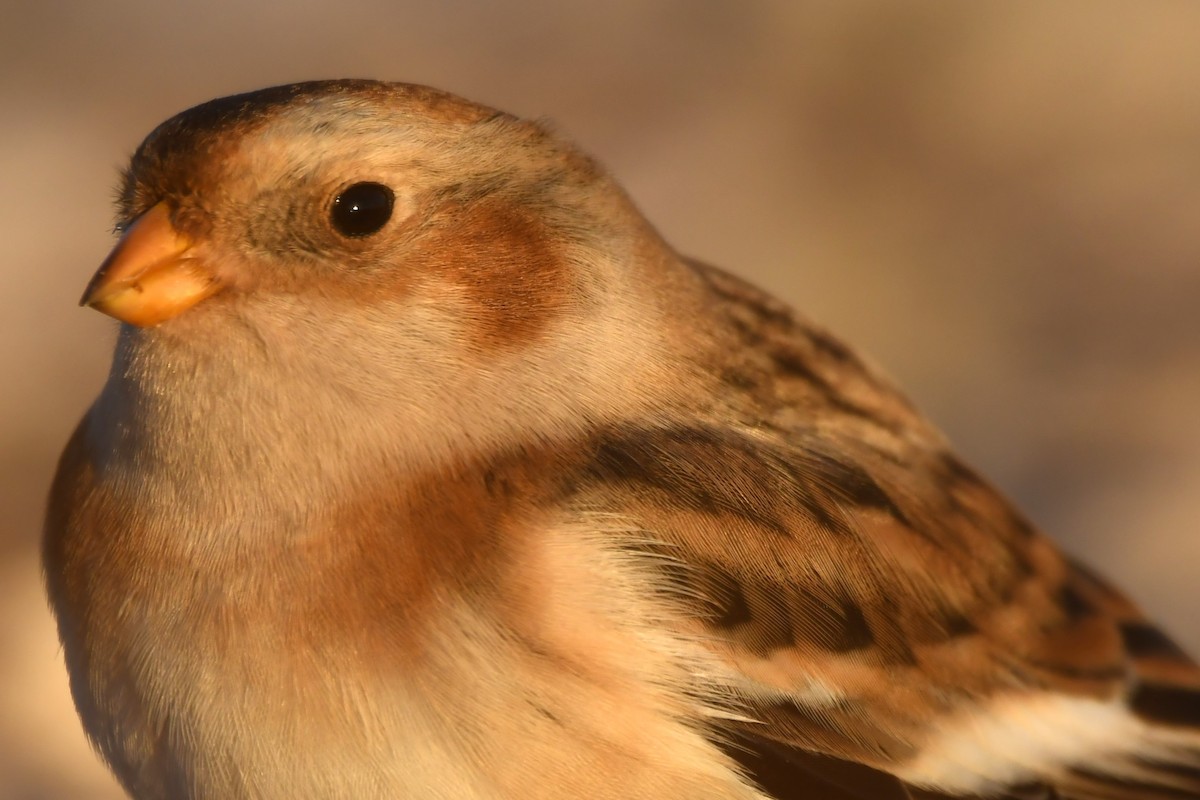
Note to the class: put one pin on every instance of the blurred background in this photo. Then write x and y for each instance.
(999, 200)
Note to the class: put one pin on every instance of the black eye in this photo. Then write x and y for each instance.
(362, 209)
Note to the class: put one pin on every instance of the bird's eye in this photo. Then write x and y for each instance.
(362, 209)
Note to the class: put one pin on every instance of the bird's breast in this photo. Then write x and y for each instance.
(462, 646)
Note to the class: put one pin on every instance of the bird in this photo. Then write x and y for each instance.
(426, 468)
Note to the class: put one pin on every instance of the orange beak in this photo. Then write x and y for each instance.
(151, 275)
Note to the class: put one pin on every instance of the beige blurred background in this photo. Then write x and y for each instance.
(999, 200)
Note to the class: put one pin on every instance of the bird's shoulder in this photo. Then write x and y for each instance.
(882, 604)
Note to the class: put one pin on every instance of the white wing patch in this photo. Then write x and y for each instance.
(1024, 738)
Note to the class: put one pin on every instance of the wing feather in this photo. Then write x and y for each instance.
(890, 616)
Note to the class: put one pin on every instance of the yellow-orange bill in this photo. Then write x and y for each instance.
(151, 275)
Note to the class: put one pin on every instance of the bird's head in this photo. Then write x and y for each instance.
(350, 190)
(387, 247)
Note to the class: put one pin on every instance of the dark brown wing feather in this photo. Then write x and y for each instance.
(834, 545)
(791, 774)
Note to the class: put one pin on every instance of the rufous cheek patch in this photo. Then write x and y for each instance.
(503, 261)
